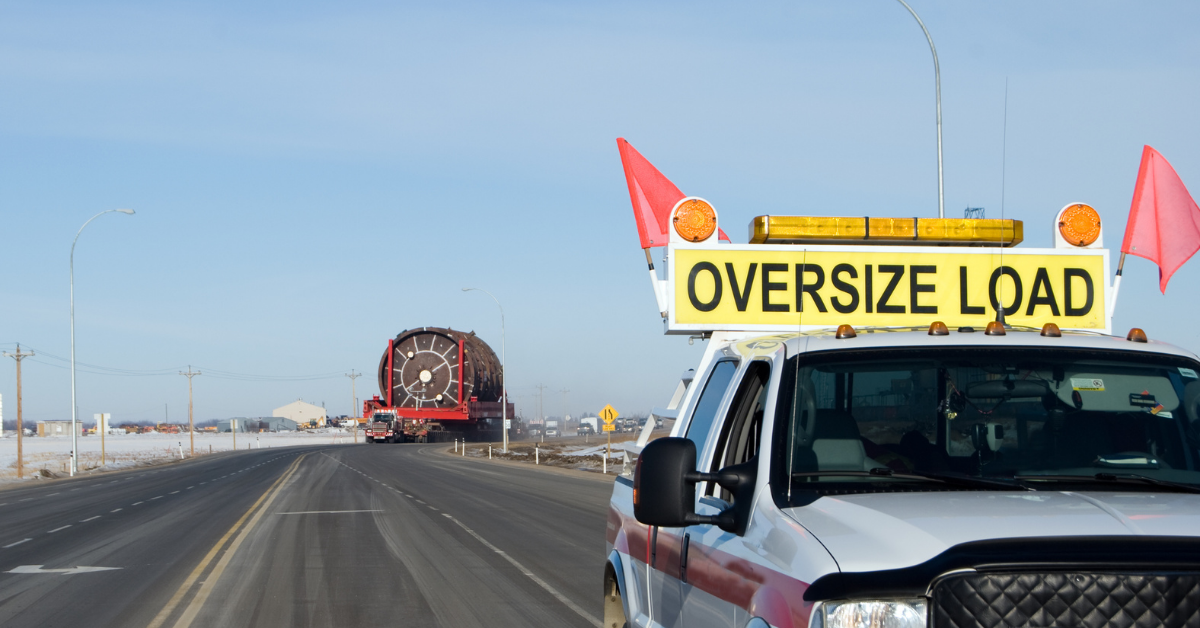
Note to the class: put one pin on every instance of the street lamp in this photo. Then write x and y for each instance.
(503, 374)
(74, 407)
(937, 79)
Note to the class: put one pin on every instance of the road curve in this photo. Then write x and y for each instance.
(319, 536)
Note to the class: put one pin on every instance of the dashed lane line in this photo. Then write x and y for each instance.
(57, 529)
(117, 510)
(90, 518)
(17, 543)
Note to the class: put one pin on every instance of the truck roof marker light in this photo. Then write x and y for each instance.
(1050, 330)
(938, 328)
(995, 328)
(1079, 224)
(695, 220)
(845, 331)
(1136, 335)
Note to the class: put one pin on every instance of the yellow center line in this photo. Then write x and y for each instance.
(166, 611)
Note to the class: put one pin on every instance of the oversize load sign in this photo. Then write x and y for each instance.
(788, 287)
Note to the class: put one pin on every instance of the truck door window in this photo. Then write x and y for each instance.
(742, 431)
(709, 403)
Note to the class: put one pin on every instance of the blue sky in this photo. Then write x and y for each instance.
(312, 178)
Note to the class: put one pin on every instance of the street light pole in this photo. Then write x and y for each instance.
(937, 79)
(74, 406)
(503, 370)
(191, 426)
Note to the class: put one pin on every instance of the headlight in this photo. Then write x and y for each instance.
(870, 614)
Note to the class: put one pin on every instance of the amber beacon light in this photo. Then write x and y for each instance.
(695, 220)
(1079, 224)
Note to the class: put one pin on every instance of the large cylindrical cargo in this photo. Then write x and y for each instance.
(423, 370)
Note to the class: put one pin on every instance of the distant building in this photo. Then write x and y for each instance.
(258, 424)
(301, 412)
(56, 428)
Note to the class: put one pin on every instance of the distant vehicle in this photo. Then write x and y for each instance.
(591, 421)
(585, 429)
(551, 428)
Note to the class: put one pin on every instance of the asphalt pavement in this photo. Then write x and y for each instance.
(358, 535)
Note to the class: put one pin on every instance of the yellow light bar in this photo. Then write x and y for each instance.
(917, 231)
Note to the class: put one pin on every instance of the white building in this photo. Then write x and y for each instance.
(301, 412)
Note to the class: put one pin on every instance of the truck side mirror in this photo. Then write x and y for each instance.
(664, 487)
(662, 494)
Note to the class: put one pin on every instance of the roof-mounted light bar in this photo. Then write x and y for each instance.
(866, 230)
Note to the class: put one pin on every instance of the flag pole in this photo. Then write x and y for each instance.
(1112, 306)
(658, 295)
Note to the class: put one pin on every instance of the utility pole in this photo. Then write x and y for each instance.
(191, 429)
(18, 356)
(353, 394)
(565, 412)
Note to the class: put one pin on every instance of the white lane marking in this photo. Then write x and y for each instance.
(57, 529)
(136, 503)
(529, 574)
(69, 571)
(117, 510)
(172, 492)
(324, 512)
(154, 498)
(25, 500)
(90, 518)
(17, 543)
(74, 489)
(53, 494)
(189, 488)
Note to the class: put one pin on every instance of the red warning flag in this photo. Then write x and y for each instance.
(653, 196)
(1164, 221)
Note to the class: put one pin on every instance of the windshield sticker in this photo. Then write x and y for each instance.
(1087, 383)
(1188, 373)
(1144, 399)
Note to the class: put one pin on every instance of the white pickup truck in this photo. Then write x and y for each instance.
(957, 474)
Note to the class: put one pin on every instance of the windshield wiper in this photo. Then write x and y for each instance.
(922, 476)
(1112, 478)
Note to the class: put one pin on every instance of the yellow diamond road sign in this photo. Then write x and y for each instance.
(609, 414)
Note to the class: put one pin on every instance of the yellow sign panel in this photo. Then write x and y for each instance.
(781, 287)
(608, 414)
(608, 427)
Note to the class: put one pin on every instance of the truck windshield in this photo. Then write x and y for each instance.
(868, 420)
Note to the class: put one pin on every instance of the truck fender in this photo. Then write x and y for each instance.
(616, 569)
(771, 608)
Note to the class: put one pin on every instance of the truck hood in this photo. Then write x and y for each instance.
(893, 530)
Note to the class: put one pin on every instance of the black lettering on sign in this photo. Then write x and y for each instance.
(897, 271)
(769, 286)
(844, 287)
(1042, 279)
(870, 296)
(1068, 275)
(802, 287)
(1018, 292)
(915, 288)
(963, 306)
(716, 275)
(740, 297)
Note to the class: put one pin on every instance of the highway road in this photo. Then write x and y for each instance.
(357, 535)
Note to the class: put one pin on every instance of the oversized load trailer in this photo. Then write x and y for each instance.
(436, 384)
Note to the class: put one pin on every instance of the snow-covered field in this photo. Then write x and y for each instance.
(50, 456)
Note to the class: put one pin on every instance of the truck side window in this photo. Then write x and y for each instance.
(742, 431)
(709, 403)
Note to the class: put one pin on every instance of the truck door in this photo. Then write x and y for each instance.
(668, 545)
(711, 591)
